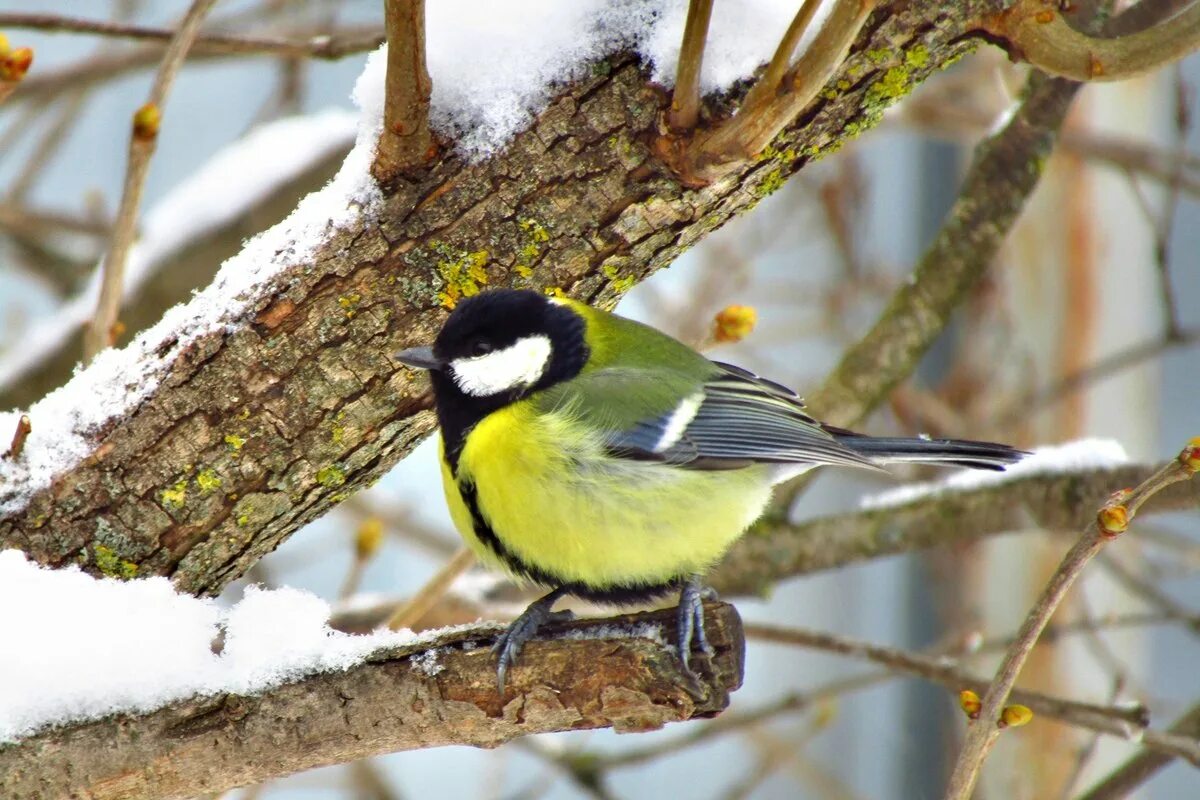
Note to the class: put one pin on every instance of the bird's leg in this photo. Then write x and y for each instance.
(523, 628)
(689, 620)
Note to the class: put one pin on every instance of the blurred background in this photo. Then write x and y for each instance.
(1086, 326)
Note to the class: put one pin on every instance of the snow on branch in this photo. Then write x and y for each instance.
(108, 681)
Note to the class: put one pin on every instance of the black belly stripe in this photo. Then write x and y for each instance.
(618, 594)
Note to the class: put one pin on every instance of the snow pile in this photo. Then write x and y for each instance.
(79, 648)
(1051, 460)
(493, 66)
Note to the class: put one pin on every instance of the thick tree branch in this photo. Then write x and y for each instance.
(400, 700)
(576, 204)
(775, 549)
(1035, 31)
(405, 141)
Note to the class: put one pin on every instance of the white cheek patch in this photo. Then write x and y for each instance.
(519, 365)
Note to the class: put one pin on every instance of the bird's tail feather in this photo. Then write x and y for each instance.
(945, 452)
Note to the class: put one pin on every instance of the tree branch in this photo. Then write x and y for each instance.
(1111, 521)
(775, 549)
(576, 205)
(146, 120)
(685, 97)
(405, 141)
(404, 699)
(1035, 31)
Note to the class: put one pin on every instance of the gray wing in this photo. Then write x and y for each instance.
(733, 420)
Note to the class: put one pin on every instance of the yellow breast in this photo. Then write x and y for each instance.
(556, 502)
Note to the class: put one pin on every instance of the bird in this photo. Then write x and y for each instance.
(602, 459)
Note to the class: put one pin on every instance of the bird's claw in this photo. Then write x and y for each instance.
(521, 630)
(689, 622)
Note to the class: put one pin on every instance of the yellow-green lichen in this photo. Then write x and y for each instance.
(889, 88)
(916, 57)
(175, 496)
(234, 442)
(534, 237)
(208, 480)
(349, 304)
(462, 272)
(331, 476)
(770, 184)
(112, 565)
(879, 56)
(619, 283)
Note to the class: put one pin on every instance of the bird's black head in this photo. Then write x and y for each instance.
(496, 348)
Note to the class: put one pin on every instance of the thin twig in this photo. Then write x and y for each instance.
(1128, 358)
(432, 591)
(305, 44)
(771, 81)
(685, 97)
(1143, 766)
(1111, 520)
(405, 141)
(98, 334)
(1116, 720)
(1037, 32)
(752, 129)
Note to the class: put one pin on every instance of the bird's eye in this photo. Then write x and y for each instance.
(480, 348)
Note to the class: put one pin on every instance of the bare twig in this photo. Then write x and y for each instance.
(771, 81)
(298, 45)
(1111, 520)
(685, 97)
(141, 147)
(405, 141)
(432, 591)
(1141, 767)
(1116, 720)
(1037, 32)
(19, 436)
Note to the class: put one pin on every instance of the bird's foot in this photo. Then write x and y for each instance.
(524, 628)
(689, 621)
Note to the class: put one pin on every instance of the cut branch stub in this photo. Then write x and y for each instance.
(405, 142)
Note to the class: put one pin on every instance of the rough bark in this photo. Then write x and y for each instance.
(396, 701)
(255, 432)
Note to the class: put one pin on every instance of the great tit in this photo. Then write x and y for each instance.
(603, 459)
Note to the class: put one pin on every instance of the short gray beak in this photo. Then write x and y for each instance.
(419, 357)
